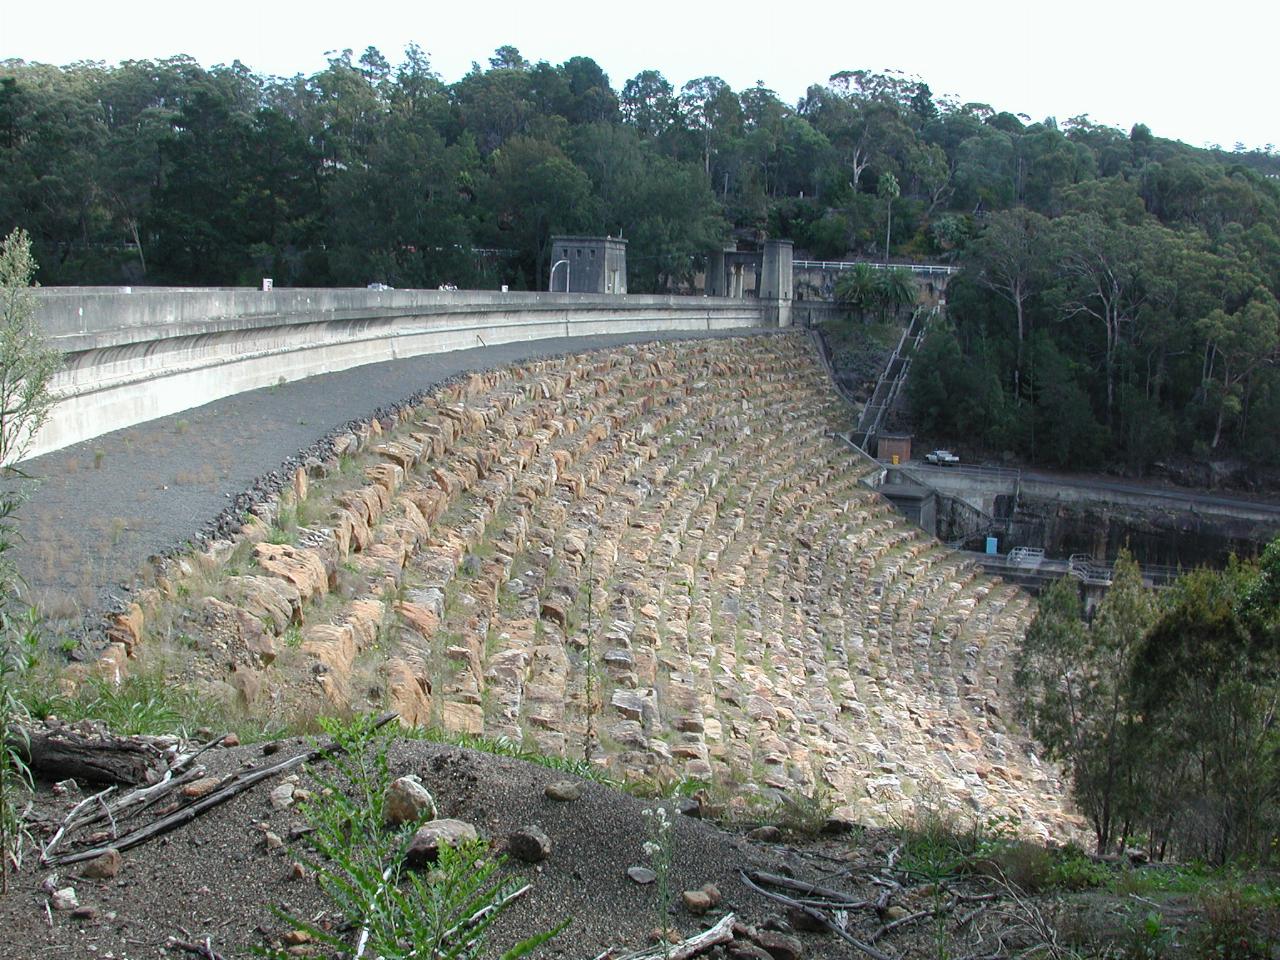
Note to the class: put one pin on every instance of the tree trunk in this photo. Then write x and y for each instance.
(63, 753)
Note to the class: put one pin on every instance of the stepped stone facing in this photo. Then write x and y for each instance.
(660, 557)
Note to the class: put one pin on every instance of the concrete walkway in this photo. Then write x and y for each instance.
(103, 507)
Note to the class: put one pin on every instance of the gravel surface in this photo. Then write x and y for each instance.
(218, 877)
(103, 507)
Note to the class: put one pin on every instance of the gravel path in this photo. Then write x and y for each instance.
(103, 507)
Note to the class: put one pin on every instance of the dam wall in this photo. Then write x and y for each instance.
(135, 354)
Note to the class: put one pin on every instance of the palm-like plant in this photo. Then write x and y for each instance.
(895, 289)
(856, 288)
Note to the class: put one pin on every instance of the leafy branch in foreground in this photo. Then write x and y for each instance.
(393, 912)
(27, 366)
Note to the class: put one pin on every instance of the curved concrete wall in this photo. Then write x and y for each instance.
(134, 355)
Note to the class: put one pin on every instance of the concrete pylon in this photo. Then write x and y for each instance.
(775, 283)
(715, 283)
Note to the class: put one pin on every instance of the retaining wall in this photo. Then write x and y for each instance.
(137, 354)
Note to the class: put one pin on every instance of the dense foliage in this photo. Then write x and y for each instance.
(1118, 298)
(1164, 712)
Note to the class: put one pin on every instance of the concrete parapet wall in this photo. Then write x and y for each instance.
(137, 355)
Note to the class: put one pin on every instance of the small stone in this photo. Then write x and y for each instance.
(641, 875)
(563, 790)
(296, 937)
(104, 867)
(273, 747)
(745, 950)
(894, 912)
(779, 945)
(64, 899)
(231, 740)
(529, 844)
(766, 834)
(696, 901)
(282, 797)
(804, 921)
(837, 827)
(273, 840)
(689, 807)
(431, 836)
(713, 893)
(84, 913)
(408, 801)
(200, 788)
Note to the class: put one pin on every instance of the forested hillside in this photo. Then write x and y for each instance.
(1117, 302)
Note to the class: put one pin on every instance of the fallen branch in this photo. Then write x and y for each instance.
(722, 932)
(908, 919)
(183, 762)
(141, 798)
(840, 898)
(819, 916)
(69, 823)
(234, 787)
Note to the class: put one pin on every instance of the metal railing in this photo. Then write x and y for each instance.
(928, 269)
(1011, 474)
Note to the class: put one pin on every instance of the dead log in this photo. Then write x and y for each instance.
(96, 758)
(233, 787)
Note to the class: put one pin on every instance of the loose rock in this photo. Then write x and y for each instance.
(563, 790)
(408, 801)
(766, 834)
(104, 867)
(64, 899)
(431, 836)
(696, 901)
(529, 844)
(641, 875)
(779, 945)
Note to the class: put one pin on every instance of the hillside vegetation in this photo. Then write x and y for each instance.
(1118, 300)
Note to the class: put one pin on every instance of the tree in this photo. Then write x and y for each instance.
(1073, 686)
(536, 191)
(27, 366)
(27, 363)
(1236, 344)
(1207, 687)
(1009, 257)
(887, 189)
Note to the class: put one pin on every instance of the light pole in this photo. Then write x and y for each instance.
(551, 280)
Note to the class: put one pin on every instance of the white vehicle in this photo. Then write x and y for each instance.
(942, 457)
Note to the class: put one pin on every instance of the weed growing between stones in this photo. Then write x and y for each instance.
(394, 912)
(660, 848)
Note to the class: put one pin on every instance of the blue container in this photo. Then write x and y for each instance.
(992, 546)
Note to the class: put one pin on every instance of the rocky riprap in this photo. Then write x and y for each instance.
(660, 556)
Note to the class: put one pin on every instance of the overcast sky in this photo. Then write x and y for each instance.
(1203, 73)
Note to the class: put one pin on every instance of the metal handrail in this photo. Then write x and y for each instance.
(926, 268)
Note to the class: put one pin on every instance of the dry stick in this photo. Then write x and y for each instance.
(840, 898)
(363, 940)
(185, 761)
(480, 914)
(68, 824)
(909, 918)
(188, 813)
(142, 797)
(722, 932)
(821, 917)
